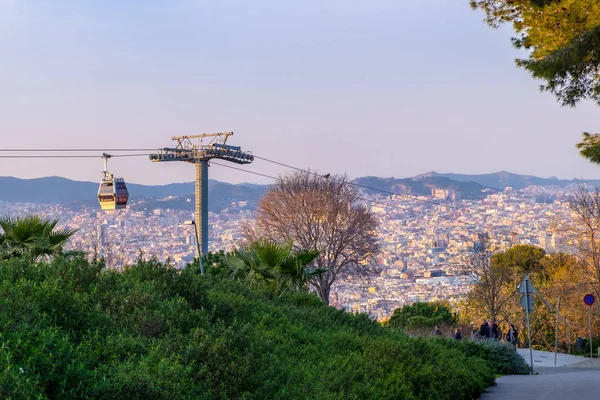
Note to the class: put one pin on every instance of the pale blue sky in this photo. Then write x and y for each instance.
(387, 88)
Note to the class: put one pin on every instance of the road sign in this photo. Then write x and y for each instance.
(527, 302)
(526, 286)
(589, 299)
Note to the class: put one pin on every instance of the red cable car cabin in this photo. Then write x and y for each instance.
(112, 193)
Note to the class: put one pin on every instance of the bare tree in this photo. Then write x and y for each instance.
(322, 213)
(490, 279)
(585, 206)
(89, 244)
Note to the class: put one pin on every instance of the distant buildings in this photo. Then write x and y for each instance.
(422, 244)
(549, 241)
(444, 194)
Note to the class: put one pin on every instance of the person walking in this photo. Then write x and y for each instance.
(512, 336)
(495, 332)
(457, 334)
(475, 333)
(484, 330)
(436, 331)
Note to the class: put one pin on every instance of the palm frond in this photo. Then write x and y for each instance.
(57, 239)
(33, 235)
(306, 257)
(272, 253)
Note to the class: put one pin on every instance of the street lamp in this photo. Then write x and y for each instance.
(192, 222)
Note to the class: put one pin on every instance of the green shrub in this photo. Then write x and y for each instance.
(586, 350)
(422, 315)
(70, 330)
(500, 357)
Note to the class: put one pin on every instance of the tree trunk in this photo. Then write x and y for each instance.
(323, 291)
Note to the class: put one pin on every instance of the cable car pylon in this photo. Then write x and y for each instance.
(193, 150)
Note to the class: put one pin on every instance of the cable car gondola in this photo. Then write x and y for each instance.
(112, 193)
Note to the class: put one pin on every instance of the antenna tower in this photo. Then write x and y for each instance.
(193, 149)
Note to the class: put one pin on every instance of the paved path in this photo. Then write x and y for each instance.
(546, 359)
(572, 378)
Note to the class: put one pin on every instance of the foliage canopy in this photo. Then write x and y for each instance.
(589, 147)
(422, 315)
(563, 40)
(496, 276)
(71, 330)
(273, 266)
(32, 236)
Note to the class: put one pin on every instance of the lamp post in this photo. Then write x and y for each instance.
(192, 222)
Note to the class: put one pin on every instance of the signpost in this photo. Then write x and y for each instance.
(589, 301)
(527, 303)
(556, 333)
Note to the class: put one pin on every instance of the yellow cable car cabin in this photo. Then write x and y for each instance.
(112, 193)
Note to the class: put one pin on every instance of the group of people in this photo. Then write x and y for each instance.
(493, 332)
(438, 332)
(487, 332)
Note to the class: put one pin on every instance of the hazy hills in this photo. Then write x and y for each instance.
(423, 186)
(503, 179)
(54, 190)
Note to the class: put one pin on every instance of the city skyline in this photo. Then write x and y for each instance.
(422, 243)
(344, 87)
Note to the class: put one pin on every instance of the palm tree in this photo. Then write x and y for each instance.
(245, 265)
(32, 236)
(273, 265)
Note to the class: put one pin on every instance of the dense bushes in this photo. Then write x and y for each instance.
(586, 348)
(501, 357)
(422, 315)
(70, 330)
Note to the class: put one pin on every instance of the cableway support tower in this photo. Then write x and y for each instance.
(199, 150)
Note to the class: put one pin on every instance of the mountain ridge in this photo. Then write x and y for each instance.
(423, 186)
(502, 179)
(59, 190)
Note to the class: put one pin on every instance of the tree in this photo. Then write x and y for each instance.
(32, 236)
(272, 265)
(521, 260)
(565, 279)
(585, 206)
(497, 274)
(589, 147)
(563, 40)
(422, 315)
(324, 214)
(489, 281)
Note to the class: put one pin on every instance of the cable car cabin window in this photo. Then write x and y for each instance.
(122, 200)
(106, 197)
(121, 185)
(106, 184)
(106, 191)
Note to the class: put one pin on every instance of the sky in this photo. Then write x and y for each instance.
(379, 88)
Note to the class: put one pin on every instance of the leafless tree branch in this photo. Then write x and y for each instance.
(319, 213)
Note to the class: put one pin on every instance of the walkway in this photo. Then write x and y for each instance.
(573, 377)
(546, 359)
